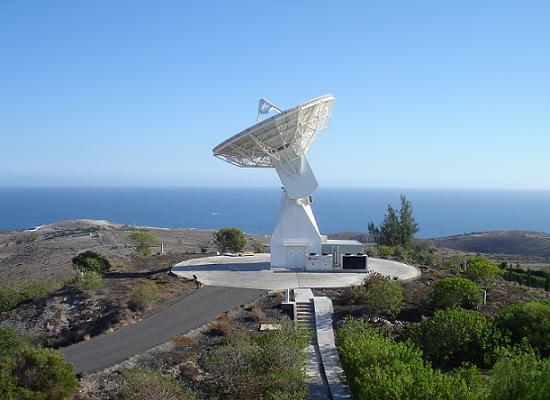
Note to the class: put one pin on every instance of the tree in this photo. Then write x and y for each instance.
(407, 224)
(527, 321)
(144, 241)
(374, 233)
(456, 336)
(398, 228)
(456, 292)
(91, 261)
(384, 296)
(232, 239)
(390, 230)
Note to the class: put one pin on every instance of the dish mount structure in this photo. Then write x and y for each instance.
(281, 142)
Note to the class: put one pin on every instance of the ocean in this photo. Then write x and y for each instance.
(439, 212)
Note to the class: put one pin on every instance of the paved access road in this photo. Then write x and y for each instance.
(189, 313)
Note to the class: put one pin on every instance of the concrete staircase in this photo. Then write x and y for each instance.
(305, 315)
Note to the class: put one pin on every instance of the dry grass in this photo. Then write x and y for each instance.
(257, 314)
(185, 341)
(221, 326)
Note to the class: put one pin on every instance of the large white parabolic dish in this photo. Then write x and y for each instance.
(281, 142)
(259, 145)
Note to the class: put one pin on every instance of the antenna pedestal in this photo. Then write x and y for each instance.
(296, 234)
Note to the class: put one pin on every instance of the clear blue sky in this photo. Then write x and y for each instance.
(428, 93)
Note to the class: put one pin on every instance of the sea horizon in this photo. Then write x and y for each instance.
(439, 212)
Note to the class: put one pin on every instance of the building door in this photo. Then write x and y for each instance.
(295, 257)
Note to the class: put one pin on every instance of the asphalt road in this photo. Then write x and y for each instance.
(189, 313)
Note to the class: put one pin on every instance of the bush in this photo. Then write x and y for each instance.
(44, 371)
(144, 241)
(456, 336)
(89, 281)
(530, 321)
(520, 375)
(386, 251)
(384, 296)
(482, 271)
(30, 373)
(269, 365)
(232, 239)
(148, 384)
(258, 246)
(91, 261)
(379, 368)
(13, 296)
(353, 295)
(143, 295)
(456, 292)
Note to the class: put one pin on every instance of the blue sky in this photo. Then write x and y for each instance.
(428, 93)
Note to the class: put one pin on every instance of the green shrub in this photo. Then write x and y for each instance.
(520, 374)
(452, 337)
(386, 251)
(13, 296)
(144, 241)
(353, 295)
(269, 365)
(32, 373)
(89, 281)
(258, 246)
(379, 368)
(45, 372)
(91, 261)
(384, 296)
(232, 239)
(10, 298)
(148, 384)
(482, 271)
(530, 321)
(456, 292)
(143, 295)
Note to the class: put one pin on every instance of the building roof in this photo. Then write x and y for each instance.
(343, 243)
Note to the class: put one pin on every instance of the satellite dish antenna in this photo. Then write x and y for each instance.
(281, 142)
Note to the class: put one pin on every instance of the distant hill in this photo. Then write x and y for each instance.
(499, 242)
(524, 243)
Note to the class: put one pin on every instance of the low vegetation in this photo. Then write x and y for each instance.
(143, 295)
(258, 246)
(481, 270)
(32, 373)
(527, 322)
(269, 365)
(91, 261)
(231, 239)
(89, 281)
(148, 384)
(456, 292)
(143, 242)
(379, 367)
(13, 296)
(384, 296)
(453, 337)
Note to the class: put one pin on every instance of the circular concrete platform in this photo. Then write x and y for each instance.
(253, 272)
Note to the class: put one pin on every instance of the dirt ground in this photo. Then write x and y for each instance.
(68, 315)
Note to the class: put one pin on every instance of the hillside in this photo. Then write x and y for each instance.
(533, 244)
